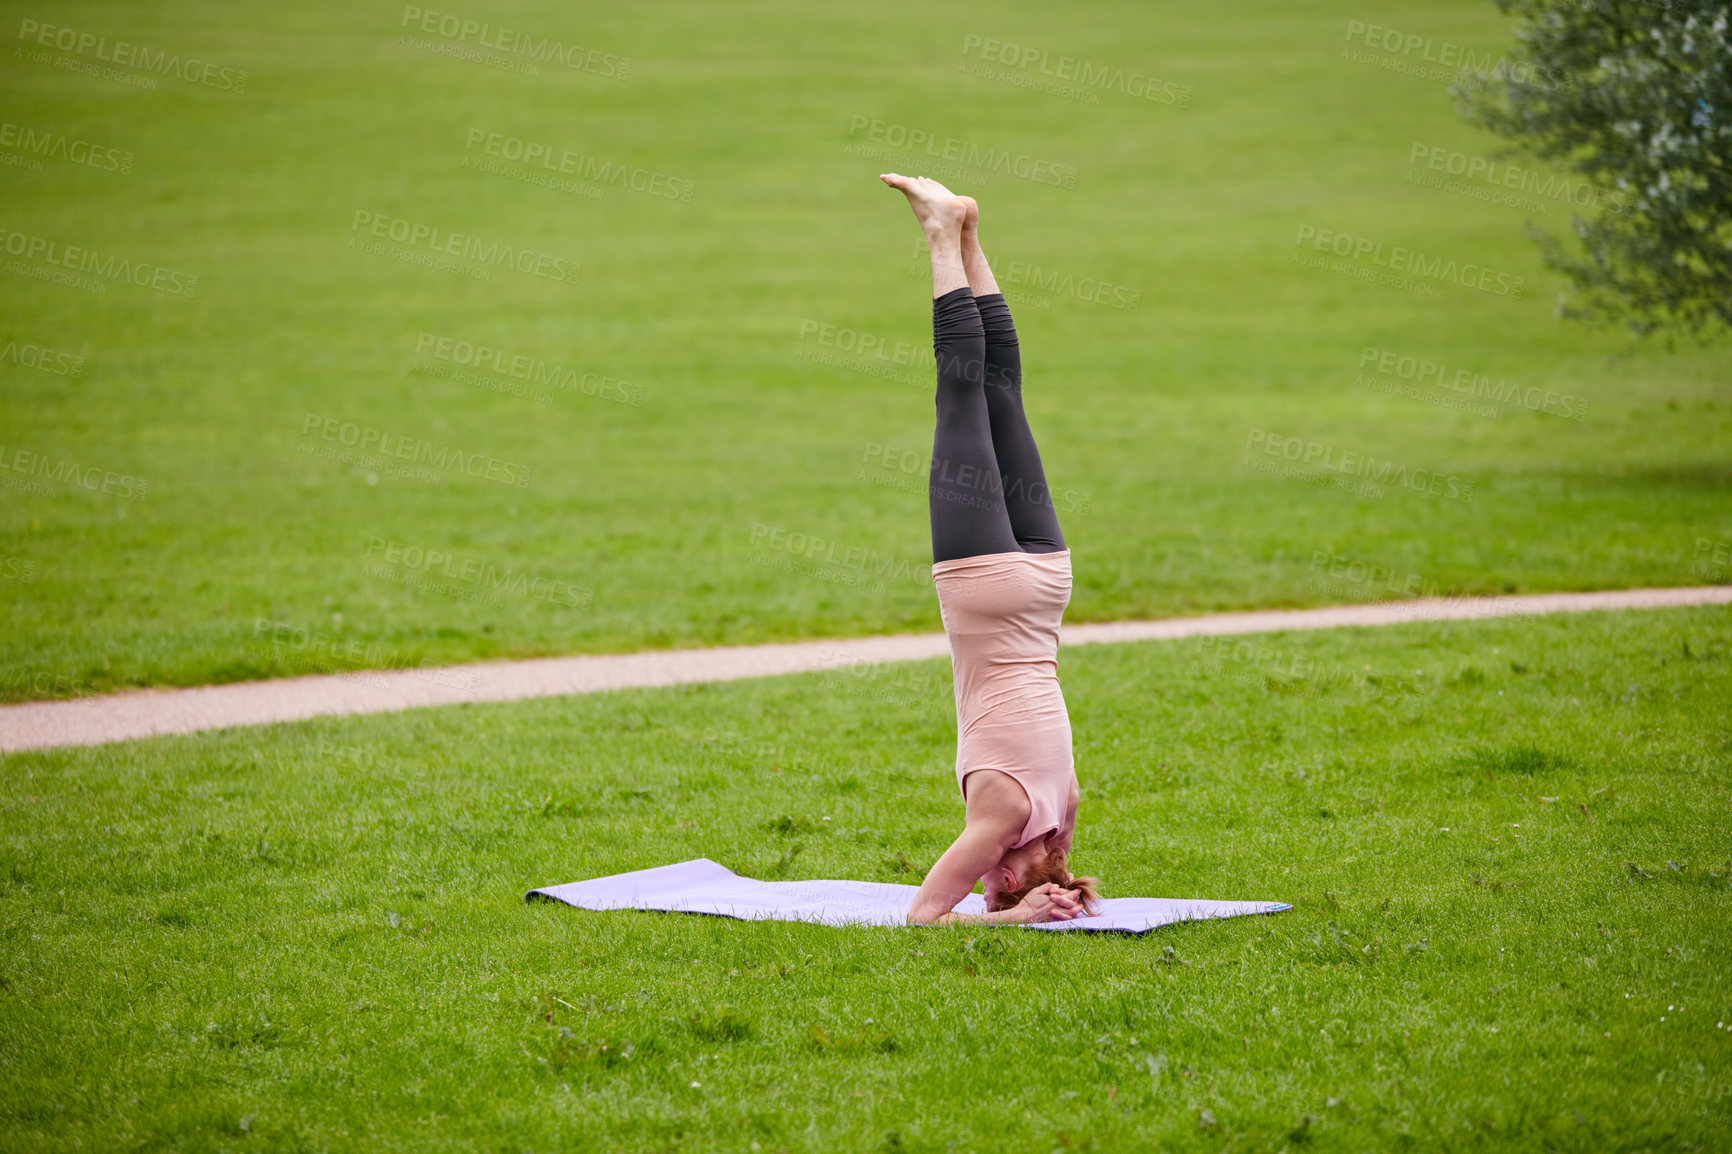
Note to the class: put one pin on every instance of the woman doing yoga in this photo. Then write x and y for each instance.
(1003, 578)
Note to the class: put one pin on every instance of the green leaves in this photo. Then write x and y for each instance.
(1638, 99)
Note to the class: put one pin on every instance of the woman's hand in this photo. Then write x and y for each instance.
(1050, 903)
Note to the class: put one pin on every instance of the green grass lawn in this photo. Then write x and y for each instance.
(710, 397)
(1505, 842)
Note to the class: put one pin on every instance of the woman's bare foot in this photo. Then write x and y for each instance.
(941, 214)
(936, 208)
(971, 220)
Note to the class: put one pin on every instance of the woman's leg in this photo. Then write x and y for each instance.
(964, 491)
(1027, 499)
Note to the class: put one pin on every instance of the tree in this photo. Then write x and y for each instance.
(1636, 96)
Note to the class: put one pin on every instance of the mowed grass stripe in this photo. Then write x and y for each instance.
(719, 311)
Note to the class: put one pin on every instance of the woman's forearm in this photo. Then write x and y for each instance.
(953, 876)
(997, 918)
(952, 918)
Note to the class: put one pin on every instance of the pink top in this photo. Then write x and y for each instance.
(1001, 613)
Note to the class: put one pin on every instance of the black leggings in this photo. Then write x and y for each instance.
(987, 491)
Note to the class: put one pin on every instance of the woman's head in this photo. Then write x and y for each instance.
(1029, 867)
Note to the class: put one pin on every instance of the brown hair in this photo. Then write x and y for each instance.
(1050, 867)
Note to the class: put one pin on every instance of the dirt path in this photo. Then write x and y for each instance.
(155, 712)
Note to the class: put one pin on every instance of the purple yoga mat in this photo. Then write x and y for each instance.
(702, 886)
